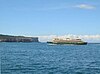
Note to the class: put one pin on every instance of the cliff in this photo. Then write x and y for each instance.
(9, 38)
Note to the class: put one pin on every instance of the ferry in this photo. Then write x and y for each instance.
(76, 41)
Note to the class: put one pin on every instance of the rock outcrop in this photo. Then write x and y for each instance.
(9, 38)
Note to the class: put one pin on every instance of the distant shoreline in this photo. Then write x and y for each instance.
(10, 38)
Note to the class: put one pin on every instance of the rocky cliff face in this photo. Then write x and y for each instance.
(8, 38)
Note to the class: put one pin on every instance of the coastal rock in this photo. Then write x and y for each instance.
(9, 38)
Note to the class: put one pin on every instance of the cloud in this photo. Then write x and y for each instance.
(54, 7)
(89, 38)
(85, 6)
(81, 6)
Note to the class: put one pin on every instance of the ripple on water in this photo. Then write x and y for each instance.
(40, 58)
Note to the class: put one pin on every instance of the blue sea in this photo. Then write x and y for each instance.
(43, 58)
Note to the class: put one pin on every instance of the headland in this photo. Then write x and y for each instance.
(10, 38)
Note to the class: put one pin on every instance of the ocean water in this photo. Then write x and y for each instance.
(42, 58)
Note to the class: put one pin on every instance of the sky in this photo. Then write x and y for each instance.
(49, 17)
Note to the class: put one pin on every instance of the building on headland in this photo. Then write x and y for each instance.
(9, 38)
(76, 41)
